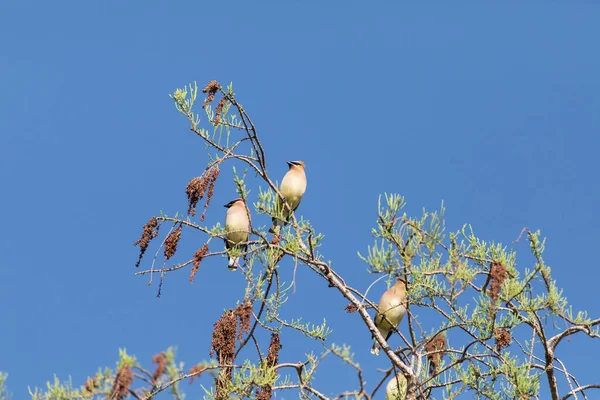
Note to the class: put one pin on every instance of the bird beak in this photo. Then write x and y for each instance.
(290, 163)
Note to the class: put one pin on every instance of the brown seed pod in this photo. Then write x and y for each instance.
(244, 312)
(198, 187)
(149, 232)
(123, 381)
(198, 256)
(213, 174)
(436, 347)
(350, 308)
(497, 277)
(223, 337)
(274, 347)
(502, 337)
(265, 391)
(210, 89)
(161, 360)
(218, 111)
(195, 191)
(171, 242)
(223, 344)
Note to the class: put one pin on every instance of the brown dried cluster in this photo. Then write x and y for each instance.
(223, 343)
(437, 349)
(350, 308)
(497, 278)
(123, 381)
(195, 191)
(218, 111)
(224, 333)
(198, 256)
(198, 187)
(244, 312)
(502, 337)
(197, 369)
(213, 175)
(274, 347)
(223, 337)
(265, 391)
(210, 89)
(276, 239)
(149, 232)
(161, 360)
(91, 384)
(171, 242)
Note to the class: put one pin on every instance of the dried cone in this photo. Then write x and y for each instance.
(436, 347)
(161, 362)
(210, 89)
(198, 187)
(218, 111)
(497, 277)
(213, 174)
(244, 312)
(171, 242)
(265, 391)
(149, 232)
(350, 308)
(195, 191)
(123, 381)
(502, 337)
(198, 257)
(223, 344)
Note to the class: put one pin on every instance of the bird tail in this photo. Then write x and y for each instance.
(375, 348)
(232, 264)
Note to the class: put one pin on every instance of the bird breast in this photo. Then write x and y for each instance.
(391, 389)
(236, 224)
(293, 187)
(394, 311)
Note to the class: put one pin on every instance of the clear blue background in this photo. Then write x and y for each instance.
(493, 108)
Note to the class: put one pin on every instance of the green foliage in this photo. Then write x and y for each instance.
(56, 390)
(474, 322)
(126, 360)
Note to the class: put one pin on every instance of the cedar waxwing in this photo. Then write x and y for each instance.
(393, 305)
(237, 228)
(396, 388)
(292, 188)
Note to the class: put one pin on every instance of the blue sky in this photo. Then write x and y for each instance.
(490, 107)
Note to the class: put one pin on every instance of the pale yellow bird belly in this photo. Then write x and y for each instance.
(394, 311)
(293, 189)
(236, 226)
(293, 201)
(391, 389)
(237, 237)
